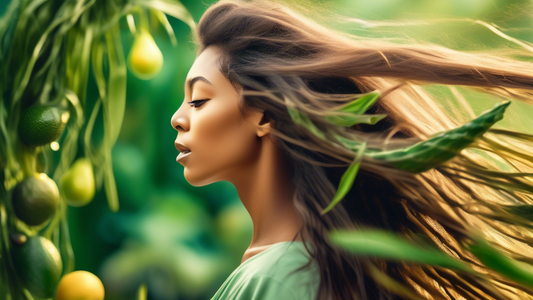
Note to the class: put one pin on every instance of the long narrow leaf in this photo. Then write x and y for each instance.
(348, 121)
(347, 179)
(172, 8)
(391, 284)
(166, 24)
(499, 262)
(379, 243)
(115, 102)
(361, 105)
(439, 148)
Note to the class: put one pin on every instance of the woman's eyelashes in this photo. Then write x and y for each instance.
(197, 103)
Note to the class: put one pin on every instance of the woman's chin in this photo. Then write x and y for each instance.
(195, 180)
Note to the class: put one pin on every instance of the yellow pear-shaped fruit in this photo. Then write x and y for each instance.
(145, 59)
(77, 185)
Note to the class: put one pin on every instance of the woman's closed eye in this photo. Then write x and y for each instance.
(197, 103)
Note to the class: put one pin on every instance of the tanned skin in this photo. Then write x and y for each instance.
(225, 146)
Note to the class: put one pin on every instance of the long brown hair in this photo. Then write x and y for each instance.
(276, 54)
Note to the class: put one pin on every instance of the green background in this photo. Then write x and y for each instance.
(183, 241)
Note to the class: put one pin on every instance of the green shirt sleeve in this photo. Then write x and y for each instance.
(264, 287)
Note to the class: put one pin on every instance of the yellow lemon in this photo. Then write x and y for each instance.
(145, 59)
(80, 285)
(35, 199)
(77, 185)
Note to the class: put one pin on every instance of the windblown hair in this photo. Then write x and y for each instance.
(278, 56)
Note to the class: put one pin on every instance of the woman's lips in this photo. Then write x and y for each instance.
(182, 155)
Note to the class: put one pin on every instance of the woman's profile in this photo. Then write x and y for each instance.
(261, 110)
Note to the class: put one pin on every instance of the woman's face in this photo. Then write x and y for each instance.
(222, 144)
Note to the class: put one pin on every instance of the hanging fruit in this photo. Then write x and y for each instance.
(77, 185)
(145, 60)
(35, 199)
(38, 265)
(40, 125)
(80, 285)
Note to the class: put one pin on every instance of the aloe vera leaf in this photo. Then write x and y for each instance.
(361, 104)
(347, 179)
(380, 243)
(499, 262)
(348, 121)
(442, 147)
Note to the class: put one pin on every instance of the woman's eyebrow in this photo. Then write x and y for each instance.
(191, 82)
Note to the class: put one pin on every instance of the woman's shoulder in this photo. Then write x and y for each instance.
(273, 272)
(279, 260)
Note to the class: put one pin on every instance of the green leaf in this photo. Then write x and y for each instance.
(524, 211)
(500, 262)
(113, 106)
(172, 8)
(347, 179)
(392, 285)
(360, 105)
(348, 121)
(442, 147)
(383, 244)
(348, 143)
(166, 24)
(115, 102)
(97, 59)
(302, 119)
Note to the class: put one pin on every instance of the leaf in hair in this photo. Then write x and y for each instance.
(524, 211)
(348, 121)
(436, 150)
(361, 104)
(392, 285)
(384, 244)
(304, 120)
(347, 179)
(499, 262)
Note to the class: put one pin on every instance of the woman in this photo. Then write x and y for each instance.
(259, 103)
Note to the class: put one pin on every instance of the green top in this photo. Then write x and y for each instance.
(267, 275)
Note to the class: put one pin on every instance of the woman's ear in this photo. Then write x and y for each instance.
(263, 126)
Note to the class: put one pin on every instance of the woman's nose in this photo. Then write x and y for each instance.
(179, 121)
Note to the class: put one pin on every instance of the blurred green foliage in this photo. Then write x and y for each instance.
(183, 241)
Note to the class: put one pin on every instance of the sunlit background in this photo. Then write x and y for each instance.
(183, 241)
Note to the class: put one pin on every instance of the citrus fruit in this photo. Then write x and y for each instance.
(77, 185)
(38, 265)
(145, 59)
(35, 199)
(80, 285)
(40, 125)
